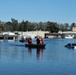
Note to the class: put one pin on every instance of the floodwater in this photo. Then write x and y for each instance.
(55, 59)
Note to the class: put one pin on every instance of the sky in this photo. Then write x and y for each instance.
(60, 11)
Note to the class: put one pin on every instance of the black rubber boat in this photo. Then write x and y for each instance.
(70, 45)
(35, 46)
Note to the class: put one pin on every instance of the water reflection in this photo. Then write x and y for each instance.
(18, 51)
(39, 52)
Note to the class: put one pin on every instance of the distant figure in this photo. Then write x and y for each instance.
(29, 41)
(26, 39)
(22, 38)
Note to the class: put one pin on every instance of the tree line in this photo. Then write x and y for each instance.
(14, 25)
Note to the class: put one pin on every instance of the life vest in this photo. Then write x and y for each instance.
(41, 41)
(29, 41)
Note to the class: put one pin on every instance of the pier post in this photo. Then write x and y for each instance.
(5, 37)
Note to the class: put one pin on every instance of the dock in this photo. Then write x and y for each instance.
(8, 37)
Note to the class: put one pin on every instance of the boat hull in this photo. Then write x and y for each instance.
(22, 40)
(35, 46)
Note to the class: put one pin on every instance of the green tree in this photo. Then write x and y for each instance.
(14, 24)
(67, 27)
(52, 26)
(8, 26)
(1, 27)
(24, 26)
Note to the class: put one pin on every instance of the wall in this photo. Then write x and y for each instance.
(40, 33)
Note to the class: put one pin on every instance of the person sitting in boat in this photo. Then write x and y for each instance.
(41, 41)
(29, 41)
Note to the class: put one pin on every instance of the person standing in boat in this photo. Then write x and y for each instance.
(38, 40)
(29, 41)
